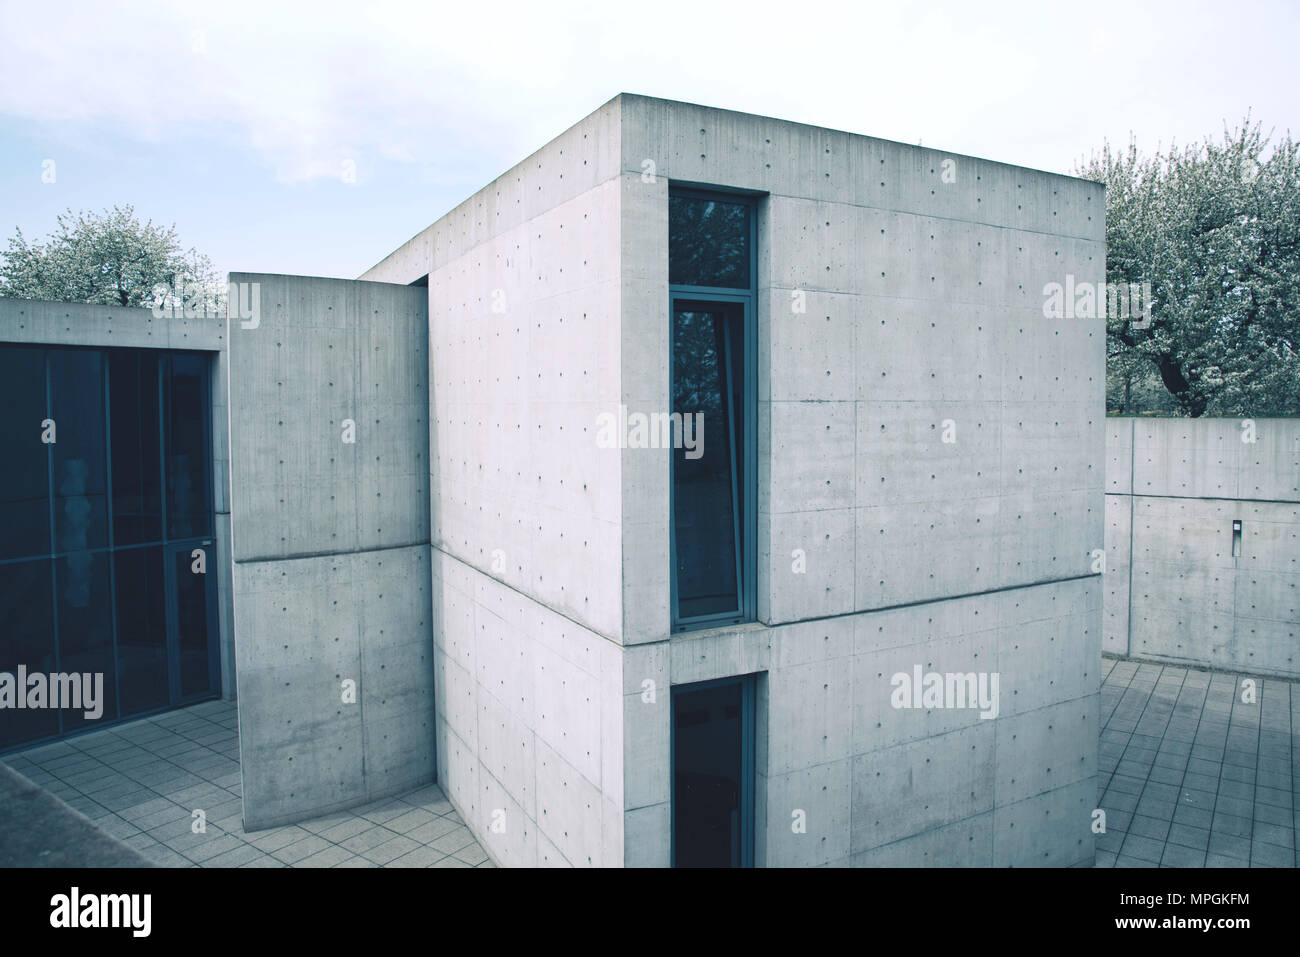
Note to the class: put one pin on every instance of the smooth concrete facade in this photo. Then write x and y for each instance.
(526, 514)
(328, 403)
(41, 322)
(929, 442)
(924, 311)
(1174, 589)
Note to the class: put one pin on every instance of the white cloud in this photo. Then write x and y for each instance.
(309, 85)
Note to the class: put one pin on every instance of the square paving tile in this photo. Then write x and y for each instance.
(1234, 804)
(1187, 775)
(390, 850)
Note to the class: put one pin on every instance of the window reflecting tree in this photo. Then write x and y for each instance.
(708, 243)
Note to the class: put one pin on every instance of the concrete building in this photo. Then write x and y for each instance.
(707, 489)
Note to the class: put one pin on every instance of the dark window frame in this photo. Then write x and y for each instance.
(744, 490)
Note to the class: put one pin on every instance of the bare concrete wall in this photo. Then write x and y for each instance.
(328, 409)
(877, 786)
(524, 353)
(1174, 589)
(529, 723)
(923, 277)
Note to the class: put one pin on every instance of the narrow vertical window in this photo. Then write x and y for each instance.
(714, 407)
(713, 773)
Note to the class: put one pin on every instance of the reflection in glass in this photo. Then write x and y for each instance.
(708, 242)
(133, 425)
(188, 513)
(80, 490)
(708, 378)
(141, 629)
(86, 629)
(85, 578)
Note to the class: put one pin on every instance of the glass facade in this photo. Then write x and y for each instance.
(106, 531)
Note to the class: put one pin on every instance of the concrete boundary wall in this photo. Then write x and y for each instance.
(329, 463)
(1175, 588)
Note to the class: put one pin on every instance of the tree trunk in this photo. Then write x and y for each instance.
(1171, 374)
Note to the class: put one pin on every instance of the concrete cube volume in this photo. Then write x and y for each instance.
(435, 568)
(554, 655)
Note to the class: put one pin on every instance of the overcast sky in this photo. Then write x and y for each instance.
(237, 120)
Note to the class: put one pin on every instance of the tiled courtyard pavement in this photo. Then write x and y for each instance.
(1192, 776)
(141, 781)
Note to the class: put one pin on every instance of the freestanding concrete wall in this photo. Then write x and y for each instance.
(1175, 590)
(328, 405)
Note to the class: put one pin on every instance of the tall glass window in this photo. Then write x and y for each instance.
(714, 392)
(106, 555)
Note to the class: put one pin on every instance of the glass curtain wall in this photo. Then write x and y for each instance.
(106, 525)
